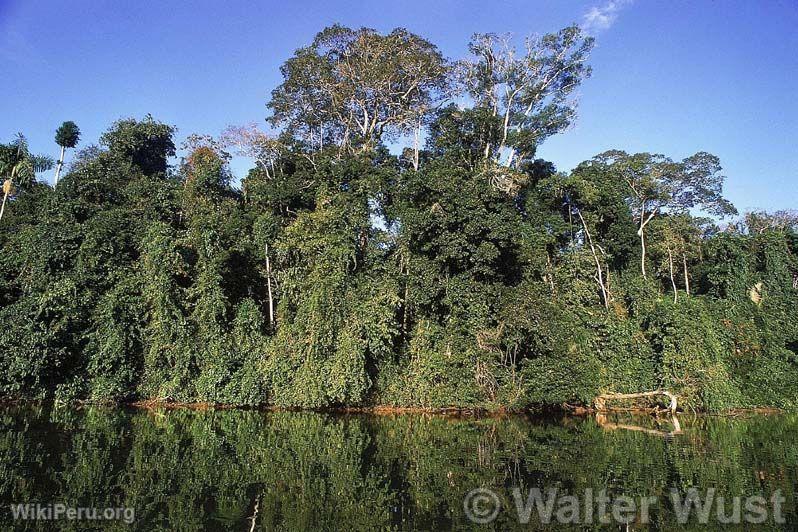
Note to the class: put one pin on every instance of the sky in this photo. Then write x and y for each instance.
(672, 77)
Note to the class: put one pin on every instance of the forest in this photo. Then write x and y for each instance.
(397, 242)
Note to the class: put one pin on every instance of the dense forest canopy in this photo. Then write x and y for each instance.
(459, 271)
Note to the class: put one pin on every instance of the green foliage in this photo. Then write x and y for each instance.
(67, 135)
(557, 362)
(114, 344)
(693, 355)
(336, 314)
(146, 144)
(352, 85)
(462, 134)
(19, 165)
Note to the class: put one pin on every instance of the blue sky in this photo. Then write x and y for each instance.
(670, 77)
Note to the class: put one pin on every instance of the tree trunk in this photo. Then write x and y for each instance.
(3, 207)
(510, 158)
(59, 165)
(7, 186)
(254, 517)
(673, 281)
(641, 233)
(686, 275)
(642, 251)
(599, 270)
(269, 287)
(416, 145)
(550, 275)
(505, 126)
(406, 307)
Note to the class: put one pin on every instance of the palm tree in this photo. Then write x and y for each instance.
(66, 136)
(19, 167)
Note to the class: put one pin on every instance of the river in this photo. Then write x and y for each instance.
(102, 468)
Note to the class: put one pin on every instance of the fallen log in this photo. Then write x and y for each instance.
(601, 401)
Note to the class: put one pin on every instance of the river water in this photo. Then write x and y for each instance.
(98, 468)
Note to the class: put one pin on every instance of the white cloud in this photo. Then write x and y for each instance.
(599, 18)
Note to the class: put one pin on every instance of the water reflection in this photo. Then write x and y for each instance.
(243, 470)
(603, 421)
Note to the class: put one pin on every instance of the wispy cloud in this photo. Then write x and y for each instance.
(600, 18)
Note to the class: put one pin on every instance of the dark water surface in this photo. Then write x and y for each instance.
(219, 470)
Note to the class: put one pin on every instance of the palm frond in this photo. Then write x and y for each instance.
(41, 163)
(21, 144)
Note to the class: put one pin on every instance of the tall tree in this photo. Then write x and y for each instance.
(761, 222)
(678, 243)
(580, 197)
(66, 136)
(529, 91)
(249, 141)
(656, 185)
(350, 87)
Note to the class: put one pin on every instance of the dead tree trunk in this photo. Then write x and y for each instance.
(601, 400)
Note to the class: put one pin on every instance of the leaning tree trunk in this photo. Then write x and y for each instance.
(605, 292)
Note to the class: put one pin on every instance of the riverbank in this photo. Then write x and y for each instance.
(392, 410)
